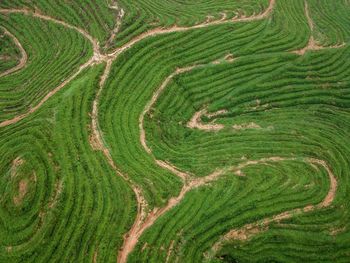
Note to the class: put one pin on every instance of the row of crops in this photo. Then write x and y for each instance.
(9, 54)
(61, 200)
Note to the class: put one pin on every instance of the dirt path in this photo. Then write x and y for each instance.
(97, 143)
(312, 44)
(143, 222)
(249, 230)
(120, 14)
(24, 56)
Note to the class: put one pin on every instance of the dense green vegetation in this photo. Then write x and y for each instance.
(276, 87)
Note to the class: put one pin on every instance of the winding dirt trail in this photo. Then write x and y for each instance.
(312, 45)
(184, 176)
(249, 230)
(138, 229)
(97, 143)
(24, 56)
(143, 222)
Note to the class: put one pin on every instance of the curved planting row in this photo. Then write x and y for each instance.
(12, 55)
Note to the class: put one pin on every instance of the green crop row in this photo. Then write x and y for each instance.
(9, 54)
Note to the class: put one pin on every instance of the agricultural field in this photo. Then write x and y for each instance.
(174, 131)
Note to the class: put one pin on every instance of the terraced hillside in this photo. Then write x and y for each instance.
(175, 131)
(10, 49)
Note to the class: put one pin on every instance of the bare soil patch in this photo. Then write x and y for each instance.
(196, 121)
(22, 191)
(246, 126)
